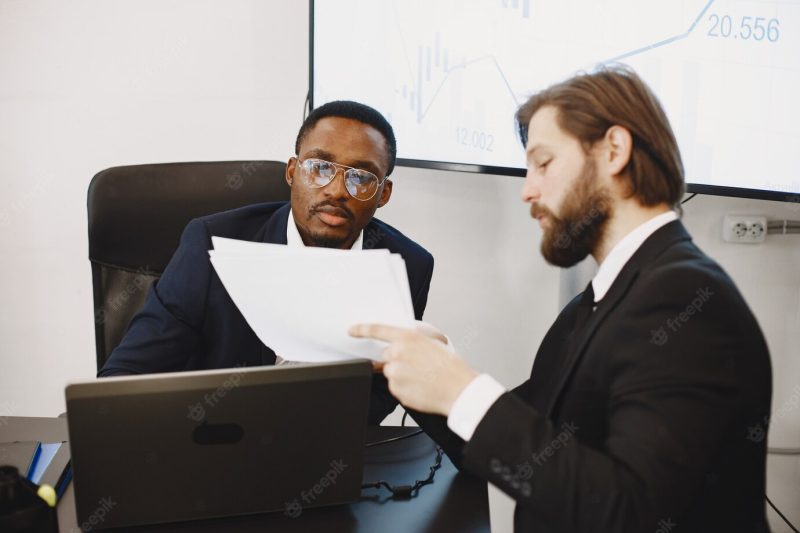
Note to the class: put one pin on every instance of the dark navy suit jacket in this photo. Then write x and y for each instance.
(189, 322)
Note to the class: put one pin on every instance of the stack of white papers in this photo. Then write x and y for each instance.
(301, 301)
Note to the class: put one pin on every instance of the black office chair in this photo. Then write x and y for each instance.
(136, 217)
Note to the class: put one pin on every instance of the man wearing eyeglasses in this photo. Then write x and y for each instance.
(344, 153)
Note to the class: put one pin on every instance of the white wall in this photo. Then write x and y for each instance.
(92, 84)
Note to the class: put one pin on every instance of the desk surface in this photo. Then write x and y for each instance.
(453, 502)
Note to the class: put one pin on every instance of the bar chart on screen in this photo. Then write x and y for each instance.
(450, 74)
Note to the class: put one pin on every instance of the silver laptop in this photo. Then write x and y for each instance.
(191, 445)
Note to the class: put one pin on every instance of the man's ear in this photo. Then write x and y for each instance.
(291, 166)
(386, 193)
(618, 148)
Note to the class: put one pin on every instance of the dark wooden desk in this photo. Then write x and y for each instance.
(453, 502)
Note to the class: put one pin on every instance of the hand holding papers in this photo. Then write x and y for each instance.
(302, 301)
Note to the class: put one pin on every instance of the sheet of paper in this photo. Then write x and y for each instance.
(301, 301)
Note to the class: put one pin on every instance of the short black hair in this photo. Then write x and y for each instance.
(356, 111)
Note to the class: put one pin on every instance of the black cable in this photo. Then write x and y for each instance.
(403, 421)
(409, 491)
(781, 514)
(393, 439)
(687, 199)
(305, 106)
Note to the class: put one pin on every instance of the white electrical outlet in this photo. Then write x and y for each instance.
(746, 229)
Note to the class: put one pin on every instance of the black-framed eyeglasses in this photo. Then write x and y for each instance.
(360, 184)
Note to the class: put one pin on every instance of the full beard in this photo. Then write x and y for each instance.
(580, 229)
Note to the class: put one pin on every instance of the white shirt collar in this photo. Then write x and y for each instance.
(294, 239)
(624, 250)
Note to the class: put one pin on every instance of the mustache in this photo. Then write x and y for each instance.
(538, 210)
(331, 209)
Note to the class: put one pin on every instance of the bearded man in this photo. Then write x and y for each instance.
(641, 407)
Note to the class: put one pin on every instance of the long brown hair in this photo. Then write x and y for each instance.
(589, 104)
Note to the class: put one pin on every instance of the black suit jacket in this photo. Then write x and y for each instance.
(189, 322)
(650, 418)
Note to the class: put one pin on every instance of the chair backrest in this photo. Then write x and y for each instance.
(137, 215)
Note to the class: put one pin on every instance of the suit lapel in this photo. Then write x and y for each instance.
(604, 307)
(373, 236)
(274, 229)
(647, 252)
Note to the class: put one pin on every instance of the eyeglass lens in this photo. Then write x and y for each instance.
(359, 183)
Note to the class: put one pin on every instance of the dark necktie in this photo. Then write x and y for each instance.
(576, 335)
(585, 308)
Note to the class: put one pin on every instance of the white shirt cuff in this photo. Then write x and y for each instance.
(472, 404)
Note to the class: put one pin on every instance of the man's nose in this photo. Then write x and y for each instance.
(337, 188)
(530, 188)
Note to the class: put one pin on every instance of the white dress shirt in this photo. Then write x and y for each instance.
(475, 400)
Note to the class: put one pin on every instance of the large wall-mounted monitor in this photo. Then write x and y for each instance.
(449, 75)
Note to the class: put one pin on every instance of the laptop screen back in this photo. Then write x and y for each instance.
(173, 447)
